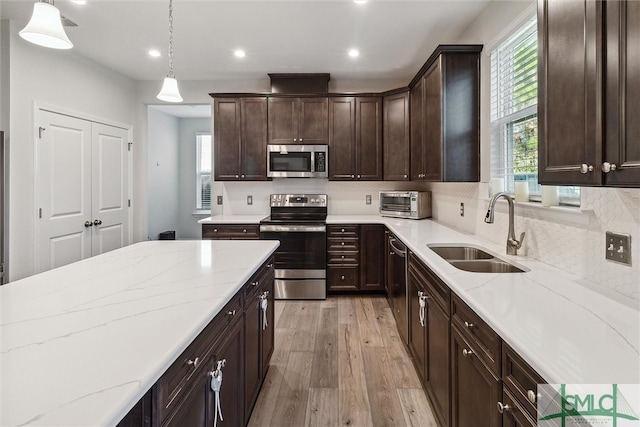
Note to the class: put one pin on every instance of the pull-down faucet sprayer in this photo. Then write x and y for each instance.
(512, 244)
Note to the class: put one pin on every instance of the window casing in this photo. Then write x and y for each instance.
(203, 171)
(514, 114)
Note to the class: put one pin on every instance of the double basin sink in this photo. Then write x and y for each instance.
(474, 259)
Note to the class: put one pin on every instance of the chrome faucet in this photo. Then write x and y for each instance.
(512, 244)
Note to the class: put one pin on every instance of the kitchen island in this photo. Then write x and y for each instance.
(81, 344)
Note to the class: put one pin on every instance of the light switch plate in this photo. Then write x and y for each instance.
(219, 200)
(249, 200)
(618, 248)
(367, 199)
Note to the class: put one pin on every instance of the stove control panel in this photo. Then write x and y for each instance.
(298, 200)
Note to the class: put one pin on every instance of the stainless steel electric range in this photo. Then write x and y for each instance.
(298, 222)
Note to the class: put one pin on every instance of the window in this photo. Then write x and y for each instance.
(514, 113)
(203, 171)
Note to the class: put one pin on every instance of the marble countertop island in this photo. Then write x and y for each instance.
(566, 331)
(81, 344)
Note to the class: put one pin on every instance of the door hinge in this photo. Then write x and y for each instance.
(129, 202)
(129, 146)
(40, 213)
(40, 130)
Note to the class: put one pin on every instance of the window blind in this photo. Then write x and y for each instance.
(203, 171)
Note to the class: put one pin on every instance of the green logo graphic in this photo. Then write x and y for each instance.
(586, 405)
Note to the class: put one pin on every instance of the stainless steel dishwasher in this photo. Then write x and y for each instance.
(397, 270)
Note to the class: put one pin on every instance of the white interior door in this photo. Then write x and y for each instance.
(64, 189)
(110, 172)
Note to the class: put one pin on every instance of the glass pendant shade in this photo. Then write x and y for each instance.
(45, 28)
(169, 91)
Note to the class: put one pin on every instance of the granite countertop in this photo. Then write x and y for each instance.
(566, 331)
(81, 344)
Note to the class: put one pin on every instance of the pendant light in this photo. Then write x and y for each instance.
(169, 91)
(45, 27)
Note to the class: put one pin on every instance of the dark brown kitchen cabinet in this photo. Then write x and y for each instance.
(230, 231)
(259, 337)
(429, 335)
(589, 93)
(355, 138)
(445, 116)
(475, 389)
(355, 258)
(240, 139)
(302, 120)
(396, 141)
(513, 414)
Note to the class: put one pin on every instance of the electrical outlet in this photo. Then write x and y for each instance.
(618, 247)
(367, 199)
(249, 200)
(461, 209)
(219, 200)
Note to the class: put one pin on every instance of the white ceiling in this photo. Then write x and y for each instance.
(394, 37)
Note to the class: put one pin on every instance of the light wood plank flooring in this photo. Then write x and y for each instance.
(340, 362)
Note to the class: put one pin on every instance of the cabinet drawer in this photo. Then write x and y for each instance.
(475, 329)
(342, 244)
(435, 287)
(230, 231)
(342, 278)
(521, 379)
(342, 258)
(342, 230)
(176, 380)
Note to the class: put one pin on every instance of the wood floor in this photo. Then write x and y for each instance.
(340, 362)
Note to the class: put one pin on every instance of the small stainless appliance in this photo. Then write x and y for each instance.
(405, 204)
(297, 161)
(298, 221)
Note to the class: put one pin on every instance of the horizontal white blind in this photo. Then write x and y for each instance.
(203, 171)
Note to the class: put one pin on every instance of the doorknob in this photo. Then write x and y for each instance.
(88, 224)
(97, 222)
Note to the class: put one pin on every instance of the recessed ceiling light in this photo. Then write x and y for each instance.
(240, 53)
(155, 53)
(354, 53)
(79, 1)
(359, 1)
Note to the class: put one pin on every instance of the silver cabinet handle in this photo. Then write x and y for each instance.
(242, 176)
(353, 176)
(237, 176)
(342, 230)
(404, 176)
(341, 277)
(503, 408)
(194, 362)
(244, 230)
(608, 167)
(256, 283)
(97, 222)
(531, 395)
(215, 230)
(269, 265)
(468, 325)
(358, 176)
(295, 139)
(231, 312)
(584, 168)
(88, 224)
(342, 243)
(467, 353)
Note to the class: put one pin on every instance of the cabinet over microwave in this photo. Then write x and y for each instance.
(405, 204)
(297, 161)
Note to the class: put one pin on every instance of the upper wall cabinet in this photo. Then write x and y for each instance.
(445, 116)
(301, 120)
(240, 139)
(396, 137)
(355, 138)
(589, 93)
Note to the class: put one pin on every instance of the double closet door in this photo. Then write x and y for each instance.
(82, 189)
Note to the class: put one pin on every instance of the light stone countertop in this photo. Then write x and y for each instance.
(566, 331)
(81, 344)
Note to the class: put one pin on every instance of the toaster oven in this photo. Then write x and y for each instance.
(405, 204)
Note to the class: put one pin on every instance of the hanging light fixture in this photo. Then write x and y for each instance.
(169, 91)
(45, 27)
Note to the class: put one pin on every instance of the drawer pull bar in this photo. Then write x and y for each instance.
(503, 408)
(467, 353)
(195, 362)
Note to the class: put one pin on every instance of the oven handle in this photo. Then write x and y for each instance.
(293, 228)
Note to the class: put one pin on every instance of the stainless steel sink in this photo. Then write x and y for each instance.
(474, 259)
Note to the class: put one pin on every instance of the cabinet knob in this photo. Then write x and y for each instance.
(468, 325)
(244, 230)
(358, 176)
(97, 222)
(341, 277)
(256, 283)
(404, 176)
(237, 176)
(88, 224)
(215, 230)
(353, 176)
(295, 139)
(531, 395)
(342, 243)
(342, 256)
(300, 139)
(467, 353)
(503, 408)
(342, 230)
(194, 362)
(269, 265)
(231, 312)
(584, 168)
(608, 167)
(242, 176)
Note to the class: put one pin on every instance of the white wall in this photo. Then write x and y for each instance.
(58, 78)
(570, 239)
(163, 172)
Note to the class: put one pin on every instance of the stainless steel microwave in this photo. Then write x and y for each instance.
(297, 161)
(405, 204)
